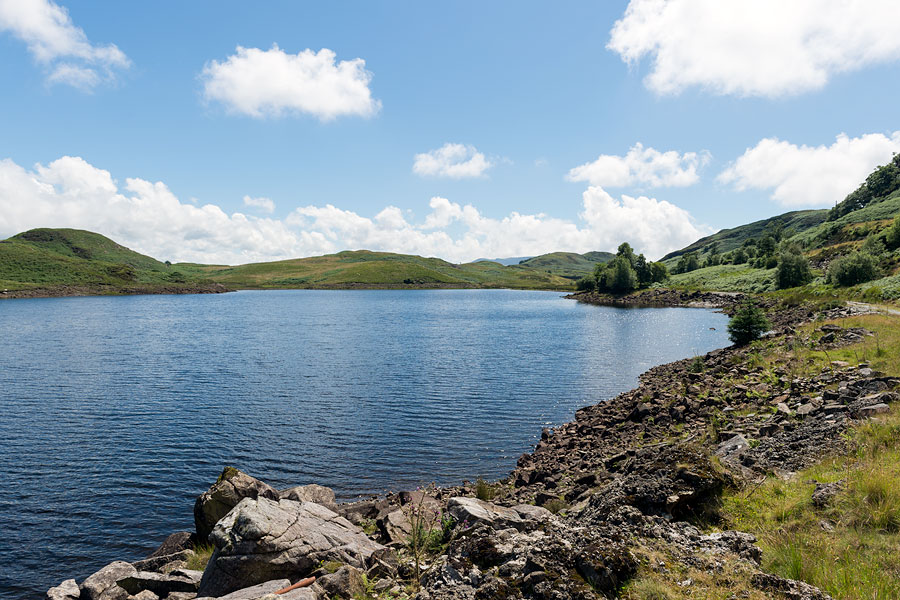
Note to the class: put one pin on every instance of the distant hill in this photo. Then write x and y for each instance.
(62, 261)
(513, 260)
(568, 264)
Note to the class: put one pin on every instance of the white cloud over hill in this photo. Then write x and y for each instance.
(759, 48)
(274, 83)
(55, 42)
(149, 218)
(642, 167)
(810, 176)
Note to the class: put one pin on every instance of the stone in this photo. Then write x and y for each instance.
(395, 527)
(383, 563)
(783, 409)
(158, 562)
(769, 429)
(345, 583)
(232, 487)
(145, 595)
(832, 409)
(319, 494)
(868, 412)
(640, 412)
(473, 511)
(787, 588)
(529, 512)
(805, 410)
(606, 567)
(735, 445)
(67, 590)
(824, 493)
(364, 510)
(102, 584)
(263, 539)
(159, 584)
(255, 592)
(175, 543)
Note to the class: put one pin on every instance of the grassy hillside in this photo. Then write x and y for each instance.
(70, 260)
(51, 258)
(568, 264)
(363, 268)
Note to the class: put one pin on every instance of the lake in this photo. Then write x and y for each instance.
(118, 411)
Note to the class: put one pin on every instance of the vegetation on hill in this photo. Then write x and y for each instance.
(626, 272)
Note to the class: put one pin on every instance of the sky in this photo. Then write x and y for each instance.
(233, 132)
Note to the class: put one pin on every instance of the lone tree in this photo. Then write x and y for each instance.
(793, 270)
(747, 324)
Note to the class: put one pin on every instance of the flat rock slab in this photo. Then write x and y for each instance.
(262, 539)
(253, 592)
(473, 510)
(319, 494)
(876, 409)
(159, 584)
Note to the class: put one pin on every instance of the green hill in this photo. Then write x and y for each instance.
(64, 261)
(362, 268)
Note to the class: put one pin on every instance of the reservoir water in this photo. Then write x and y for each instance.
(116, 412)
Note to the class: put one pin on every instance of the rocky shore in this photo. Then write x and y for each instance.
(63, 291)
(662, 297)
(623, 486)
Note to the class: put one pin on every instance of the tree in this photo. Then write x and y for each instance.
(687, 263)
(792, 270)
(747, 324)
(855, 268)
(659, 272)
(620, 277)
(643, 271)
(739, 256)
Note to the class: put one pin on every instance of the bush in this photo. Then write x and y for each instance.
(793, 270)
(747, 324)
(853, 269)
(586, 284)
(893, 234)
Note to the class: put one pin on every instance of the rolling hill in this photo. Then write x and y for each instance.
(71, 261)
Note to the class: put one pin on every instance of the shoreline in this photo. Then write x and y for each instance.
(640, 464)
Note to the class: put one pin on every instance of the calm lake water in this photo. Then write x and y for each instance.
(118, 411)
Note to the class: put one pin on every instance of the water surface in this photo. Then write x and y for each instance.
(118, 411)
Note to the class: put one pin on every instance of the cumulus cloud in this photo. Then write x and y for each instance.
(59, 45)
(816, 176)
(264, 204)
(760, 48)
(642, 166)
(457, 161)
(274, 83)
(148, 217)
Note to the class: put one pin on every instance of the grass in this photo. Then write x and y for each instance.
(202, 554)
(726, 278)
(850, 548)
(484, 490)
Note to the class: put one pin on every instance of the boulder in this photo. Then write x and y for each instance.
(67, 590)
(868, 412)
(825, 492)
(102, 584)
(145, 595)
(319, 494)
(232, 487)
(175, 543)
(345, 583)
(395, 527)
(158, 563)
(263, 539)
(473, 510)
(161, 585)
(363, 510)
(735, 445)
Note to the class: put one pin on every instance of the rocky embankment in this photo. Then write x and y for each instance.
(568, 523)
(661, 297)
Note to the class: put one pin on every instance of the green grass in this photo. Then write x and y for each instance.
(726, 278)
(850, 548)
(202, 554)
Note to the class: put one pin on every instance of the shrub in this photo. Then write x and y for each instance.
(586, 284)
(853, 269)
(484, 490)
(747, 324)
(793, 270)
(893, 234)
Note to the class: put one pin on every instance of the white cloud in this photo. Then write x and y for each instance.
(759, 48)
(810, 175)
(642, 166)
(149, 218)
(57, 43)
(457, 161)
(273, 83)
(264, 204)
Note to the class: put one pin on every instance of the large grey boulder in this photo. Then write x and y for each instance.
(321, 495)
(472, 511)
(102, 584)
(216, 502)
(263, 539)
(67, 590)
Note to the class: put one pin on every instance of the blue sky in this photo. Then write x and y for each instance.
(100, 94)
